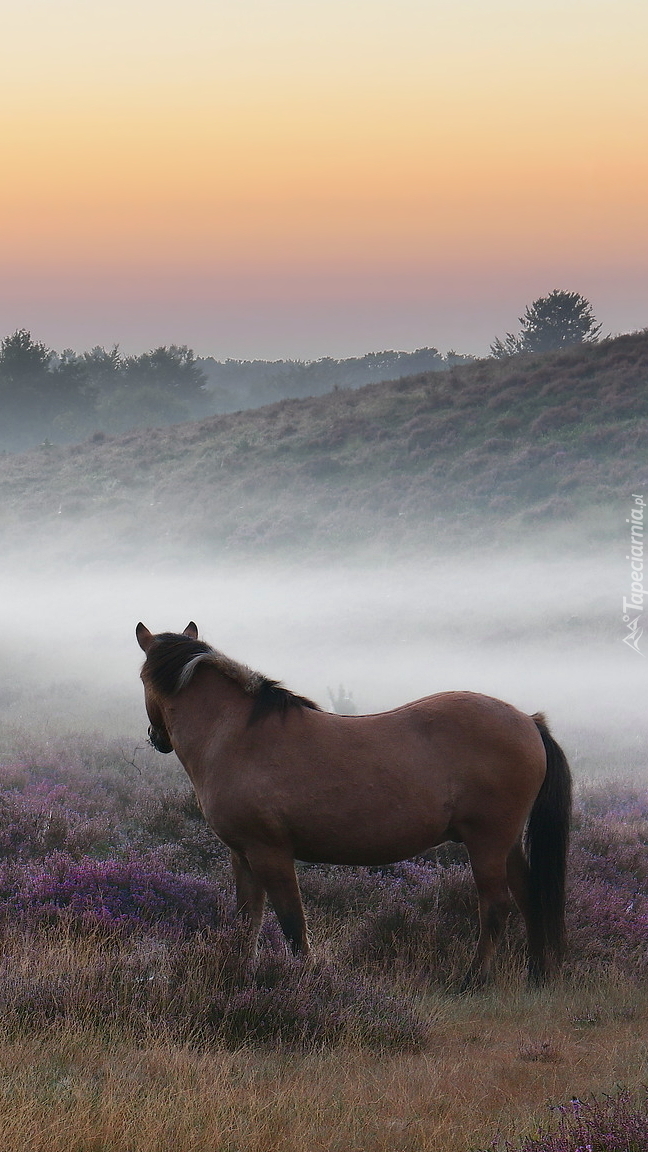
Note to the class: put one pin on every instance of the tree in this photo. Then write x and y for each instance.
(72, 394)
(556, 321)
(103, 367)
(23, 359)
(24, 379)
(173, 369)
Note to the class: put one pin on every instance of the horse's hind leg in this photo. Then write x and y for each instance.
(250, 896)
(518, 874)
(489, 870)
(275, 871)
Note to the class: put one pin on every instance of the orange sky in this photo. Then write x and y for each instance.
(299, 178)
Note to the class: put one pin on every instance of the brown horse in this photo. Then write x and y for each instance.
(280, 780)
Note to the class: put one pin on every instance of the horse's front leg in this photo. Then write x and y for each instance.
(274, 871)
(250, 896)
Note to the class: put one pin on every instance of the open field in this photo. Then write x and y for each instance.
(132, 1021)
(464, 530)
(497, 1065)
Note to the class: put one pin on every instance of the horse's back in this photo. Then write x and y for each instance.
(450, 733)
(464, 719)
(365, 789)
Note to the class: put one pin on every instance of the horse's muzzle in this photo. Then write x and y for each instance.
(159, 740)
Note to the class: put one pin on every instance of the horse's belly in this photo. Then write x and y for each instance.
(361, 859)
(371, 827)
(366, 848)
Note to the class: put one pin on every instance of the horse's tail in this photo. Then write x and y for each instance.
(546, 842)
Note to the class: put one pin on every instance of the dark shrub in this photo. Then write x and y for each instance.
(421, 920)
(315, 1004)
(207, 991)
(174, 824)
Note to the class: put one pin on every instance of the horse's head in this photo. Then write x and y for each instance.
(158, 733)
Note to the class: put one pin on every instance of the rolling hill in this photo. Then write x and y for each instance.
(489, 447)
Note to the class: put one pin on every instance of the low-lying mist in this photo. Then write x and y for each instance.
(542, 634)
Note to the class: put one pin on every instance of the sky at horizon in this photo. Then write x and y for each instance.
(309, 178)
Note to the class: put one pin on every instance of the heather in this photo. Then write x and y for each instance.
(94, 842)
(616, 1123)
(201, 988)
(124, 976)
(78, 819)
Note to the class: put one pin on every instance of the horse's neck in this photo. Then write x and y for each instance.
(205, 716)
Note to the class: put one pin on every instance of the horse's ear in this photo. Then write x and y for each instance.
(191, 631)
(144, 637)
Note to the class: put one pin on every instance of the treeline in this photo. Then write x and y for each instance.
(237, 384)
(62, 398)
(47, 396)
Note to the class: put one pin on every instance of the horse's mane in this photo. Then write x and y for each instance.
(173, 659)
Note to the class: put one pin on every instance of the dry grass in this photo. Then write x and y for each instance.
(495, 1063)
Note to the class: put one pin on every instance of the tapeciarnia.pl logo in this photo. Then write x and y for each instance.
(633, 606)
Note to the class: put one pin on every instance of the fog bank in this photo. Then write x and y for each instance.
(544, 635)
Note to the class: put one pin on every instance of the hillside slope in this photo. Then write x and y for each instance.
(495, 443)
